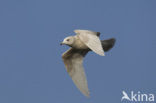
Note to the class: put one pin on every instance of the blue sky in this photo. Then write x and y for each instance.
(31, 68)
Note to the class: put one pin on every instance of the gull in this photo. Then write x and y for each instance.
(83, 42)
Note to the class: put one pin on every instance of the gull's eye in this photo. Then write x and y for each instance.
(68, 39)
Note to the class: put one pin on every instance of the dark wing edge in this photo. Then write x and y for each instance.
(108, 44)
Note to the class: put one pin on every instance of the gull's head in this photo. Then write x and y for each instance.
(68, 41)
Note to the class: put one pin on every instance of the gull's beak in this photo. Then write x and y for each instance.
(62, 43)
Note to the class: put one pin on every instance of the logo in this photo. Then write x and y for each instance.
(138, 96)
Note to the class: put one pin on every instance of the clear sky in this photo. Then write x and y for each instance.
(31, 68)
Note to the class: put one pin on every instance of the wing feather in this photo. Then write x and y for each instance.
(73, 60)
(91, 39)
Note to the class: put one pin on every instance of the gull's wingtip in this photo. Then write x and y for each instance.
(101, 53)
(87, 94)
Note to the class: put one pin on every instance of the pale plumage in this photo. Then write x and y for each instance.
(90, 39)
(81, 44)
(73, 60)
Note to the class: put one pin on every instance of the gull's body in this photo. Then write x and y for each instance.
(78, 44)
(81, 44)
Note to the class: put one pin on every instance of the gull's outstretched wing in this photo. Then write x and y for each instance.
(73, 60)
(91, 39)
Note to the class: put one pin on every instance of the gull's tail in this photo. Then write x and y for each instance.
(108, 44)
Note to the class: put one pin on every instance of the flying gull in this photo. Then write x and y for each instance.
(83, 42)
